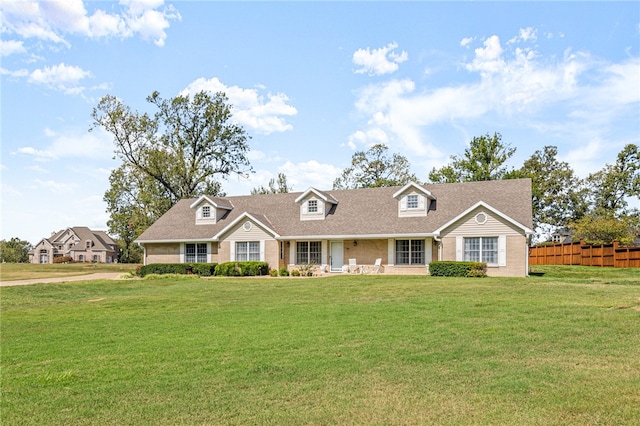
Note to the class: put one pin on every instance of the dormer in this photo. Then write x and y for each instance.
(413, 200)
(209, 210)
(314, 204)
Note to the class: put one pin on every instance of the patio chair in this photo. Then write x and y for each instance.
(353, 266)
(377, 266)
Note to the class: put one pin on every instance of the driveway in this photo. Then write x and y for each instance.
(89, 277)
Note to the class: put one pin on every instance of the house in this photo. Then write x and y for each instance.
(79, 242)
(407, 227)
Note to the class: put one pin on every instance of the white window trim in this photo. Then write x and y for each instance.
(502, 249)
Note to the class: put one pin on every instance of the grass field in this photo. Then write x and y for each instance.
(28, 271)
(561, 347)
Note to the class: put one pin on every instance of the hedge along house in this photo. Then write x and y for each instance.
(407, 227)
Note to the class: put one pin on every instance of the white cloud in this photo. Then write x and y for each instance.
(488, 58)
(73, 144)
(51, 20)
(465, 42)
(379, 61)
(263, 113)
(525, 35)
(60, 77)
(10, 47)
(551, 95)
(14, 73)
(310, 173)
(54, 186)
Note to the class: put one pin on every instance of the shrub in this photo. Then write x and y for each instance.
(242, 269)
(458, 269)
(284, 272)
(202, 269)
(63, 259)
(295, 273)
(273, 272)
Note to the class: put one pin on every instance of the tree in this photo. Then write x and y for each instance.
(483, 160)
(134, 201)
(558, 196)
(614, 184)
(604, 229)
(374, 168)
(178, 153)
(279, 187)
(14, 251)
(185, 146)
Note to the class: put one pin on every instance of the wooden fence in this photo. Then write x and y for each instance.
(611, 255)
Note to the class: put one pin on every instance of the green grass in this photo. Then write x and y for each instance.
(28, 271)
(561, 347)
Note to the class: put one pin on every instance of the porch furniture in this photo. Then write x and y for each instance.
(377, 266)
(353, 266)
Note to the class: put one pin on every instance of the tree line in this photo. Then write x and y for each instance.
(190, 144)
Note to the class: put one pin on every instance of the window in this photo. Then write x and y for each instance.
(88, 244)
(308, 251)
(95, 257)
(312, 206)
(410, 252)
(247, 250)
(81, 258)
(206, 212)
(412, 201)
(481, 249)
(196, 253)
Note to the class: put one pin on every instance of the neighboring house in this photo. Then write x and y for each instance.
(80, 243)
(562, 235)
(407, 227)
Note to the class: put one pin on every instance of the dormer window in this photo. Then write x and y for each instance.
(88, 244)
(315, 205)
(412, 201)
(209, 210)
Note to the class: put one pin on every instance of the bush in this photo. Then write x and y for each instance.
(284, 272)
(63, 259)
(201, 269)
(295, 273)
(273, 272)
(458, 269)
(242, 269)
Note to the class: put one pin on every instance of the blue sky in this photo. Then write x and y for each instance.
(311, 82)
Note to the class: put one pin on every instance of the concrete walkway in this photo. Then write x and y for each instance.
(89, 277)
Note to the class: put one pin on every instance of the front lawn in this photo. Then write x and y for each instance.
(561, 347)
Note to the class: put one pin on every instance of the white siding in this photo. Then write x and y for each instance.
(319, 214)
(493, 227)
(404, 211)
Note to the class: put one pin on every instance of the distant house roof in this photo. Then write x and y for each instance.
(359, 213)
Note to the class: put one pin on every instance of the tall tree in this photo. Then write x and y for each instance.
(185, 146)
(374, 168)
(558, 195)
(14, 251)
(179, 152)
(483, 160)
(611, 187)
(274, 187)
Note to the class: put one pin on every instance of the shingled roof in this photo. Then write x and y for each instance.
(358, 213)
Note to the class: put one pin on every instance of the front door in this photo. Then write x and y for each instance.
(337, 256)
